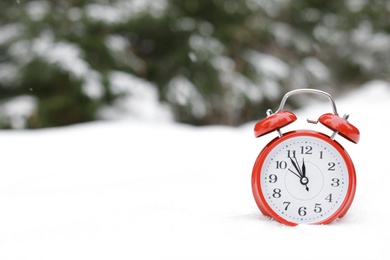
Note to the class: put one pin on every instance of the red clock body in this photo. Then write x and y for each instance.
(304, 177)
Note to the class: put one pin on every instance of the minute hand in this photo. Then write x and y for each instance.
(296, 167)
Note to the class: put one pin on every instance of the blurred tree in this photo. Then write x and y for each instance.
(212, 61)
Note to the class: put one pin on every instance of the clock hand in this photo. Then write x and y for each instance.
(301, 173)
(299, 176)
(304, 179)
(296, 168)
(303, 168)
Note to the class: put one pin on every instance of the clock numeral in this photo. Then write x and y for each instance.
(303, 150)
(317, 208)
(281, 164)
(332, 166)
(329, 198)
(277, 193)
(306, 150)
(302, 211)
(290, 153)
(273, 178)
(321, 154)
(336, 182)
(287, 204)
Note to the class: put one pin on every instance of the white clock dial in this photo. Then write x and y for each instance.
(304, 179)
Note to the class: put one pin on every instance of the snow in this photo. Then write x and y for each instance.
(17, 110)
(356, 5)
(139, 99)
(184, 92)
(68, 57)
(61, 54)
(316, 68)
(235, 83)
(204, 46)
(37, 10)
(270, 65)
(8, 72)
(143, 190)
(270, 70)
(123, 11)
(9, 32)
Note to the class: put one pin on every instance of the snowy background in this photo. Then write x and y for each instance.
(207, 62)
(140, 185)
(145, 190)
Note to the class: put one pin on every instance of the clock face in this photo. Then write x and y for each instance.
(304, 179)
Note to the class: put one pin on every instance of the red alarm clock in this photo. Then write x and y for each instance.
(304, 176)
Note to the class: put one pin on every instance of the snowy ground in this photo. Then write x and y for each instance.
(131, 190)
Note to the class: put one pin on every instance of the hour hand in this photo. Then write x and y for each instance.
(303, 168)
(304, 179)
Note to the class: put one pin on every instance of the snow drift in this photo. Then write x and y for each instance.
(138, 190)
